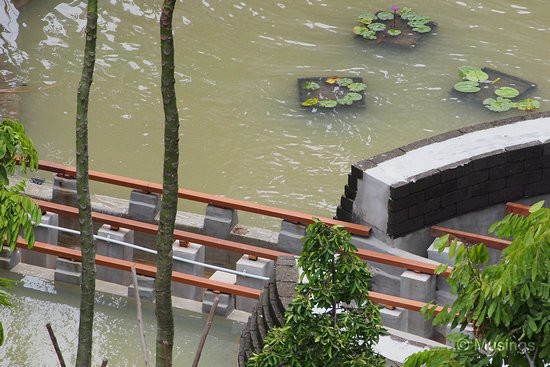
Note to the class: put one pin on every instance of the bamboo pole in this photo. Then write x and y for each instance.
(205, 331)
(140, 319)
(55, 345)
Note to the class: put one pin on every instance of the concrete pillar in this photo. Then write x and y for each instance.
(418, 287)
(260, 266)
(64, 192)
(144, 207)
(116, 251)
(227, 301)
(191, 251)
(8, 260)
(146, 287)
(46, 235)
(395, 318)
(290, 237)
(68, 271)
(218, 222)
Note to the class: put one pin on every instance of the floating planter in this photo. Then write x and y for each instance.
(497, 91)
(331, 92)
(399, 27)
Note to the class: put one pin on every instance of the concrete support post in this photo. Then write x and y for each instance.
(418, 287)
(395, 318)
(218, 222)
(227, 301)
(64, 192)
(116, 251)
(68, 271)
(290, 237)
(189, 251)
(146, 287)
(46, 235)
(144, 207)
(8, 260)
(262, 267)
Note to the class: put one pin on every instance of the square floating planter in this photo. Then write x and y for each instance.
(331, 92)
(496, 90)
(401, 28)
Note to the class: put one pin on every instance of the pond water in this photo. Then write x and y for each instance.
(243, 132)
(116, 337)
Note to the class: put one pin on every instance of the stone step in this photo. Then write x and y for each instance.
(256, 344)
(274, 305)
(266, 309)
(262, 331)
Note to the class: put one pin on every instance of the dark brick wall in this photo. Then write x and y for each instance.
(495, 177)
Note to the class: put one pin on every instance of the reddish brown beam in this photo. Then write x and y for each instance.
(471, 238)
(178, 234)
(401, 262)
(518, 209)
(220, 201)
(408, 304)
(142, 269)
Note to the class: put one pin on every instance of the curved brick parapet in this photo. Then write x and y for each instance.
(442, 177)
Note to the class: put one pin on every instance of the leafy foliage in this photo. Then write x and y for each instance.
(366, 18)
(311, 85)
(357, 87)
(467, 86)
(498, 105)
(527, 104)
(377, 27)
(472, 73)
(507, 303)
(385, 15)
(310, 102)
(328, 103)
(422, 28)
(4, 302)
(394, 32)
(331, 322)
(344, 82)
(14, 146)
(387, 21)
(507, 92)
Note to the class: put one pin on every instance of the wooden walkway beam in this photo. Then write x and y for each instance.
(471, 238)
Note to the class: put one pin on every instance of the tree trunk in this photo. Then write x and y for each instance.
(168, 208)
(84, 353)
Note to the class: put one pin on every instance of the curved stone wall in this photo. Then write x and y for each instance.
(451, 174)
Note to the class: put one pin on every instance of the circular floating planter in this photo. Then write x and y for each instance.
(397, 27)
(331, 92)
(497, 91)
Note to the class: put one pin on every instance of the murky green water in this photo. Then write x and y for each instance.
(243, 133)
(116, 335)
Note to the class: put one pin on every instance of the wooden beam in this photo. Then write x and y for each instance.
(471, 238)
(408, 304)
(518, 209)
(401, 262)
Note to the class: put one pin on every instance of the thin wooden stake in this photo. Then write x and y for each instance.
(104, 363)
(140, 319)
(55, 345)
(205, 331)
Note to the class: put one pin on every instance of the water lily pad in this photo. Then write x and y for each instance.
(357, 87)
(332, 80)
(527, 104)
(345, 100)
(310, 102)
(472, 73)
(407, 14)
(354, 96)
(420, 19)
(328, 103)
(311, 86)
(507, 92)
(422, 29)
(366, 18)
(359, 29)
(377, 27)
(467, 86)
(394, 32)
(385, 15)
(498, 105)
(344, 82)
(370, 35)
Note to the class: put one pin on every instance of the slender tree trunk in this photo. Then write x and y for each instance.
(84, 353)
(168, 208)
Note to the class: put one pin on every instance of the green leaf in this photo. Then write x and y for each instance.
(407, 14)
(311, 85)
(359, 29)
(467, 87)
(357, 87)
(507, 92)
(328, 103)
(472, 73)
(344, 82)
(538, 205)
(421, 19)
(394, 32)
(366, 18)
(498, 105)
(4, 181)
(441, 268)
(377, 27)
(354, 96)
(384, 15)
(422, 29)
(310, 102)
(527, 104)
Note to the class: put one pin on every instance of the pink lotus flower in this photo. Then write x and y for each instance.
(395, 8)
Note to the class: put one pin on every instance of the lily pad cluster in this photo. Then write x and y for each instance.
(334, 91)
(474, 78)
(391, 23)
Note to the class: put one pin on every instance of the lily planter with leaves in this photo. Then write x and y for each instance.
(497, 91)
(331, 92)
(399, 27)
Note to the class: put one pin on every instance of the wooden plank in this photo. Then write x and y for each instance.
(143, 269)
(408, 304)
(178, 234)
(401, 262)
(217, 200)
(518, 209)
(471, 238)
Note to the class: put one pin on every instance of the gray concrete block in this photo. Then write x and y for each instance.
(46, 235)
(290, 237)
(418, 287)
(262, 267)
(146, 288)
(443, 257)
(193, 252)
(68, 271)
(444, 298)
(395, 319)
(384, 282)
(143, 206)
(116, 251)
(8, 260)
(219, 222)
(64, 192)
(226, 304)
